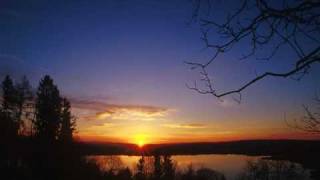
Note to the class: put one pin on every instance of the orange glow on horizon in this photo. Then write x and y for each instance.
(140, 140)
(141, 144)
(141, 125)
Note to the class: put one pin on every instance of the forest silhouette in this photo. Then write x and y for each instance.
(37, 142)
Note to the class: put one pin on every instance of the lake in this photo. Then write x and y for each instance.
(229, 165)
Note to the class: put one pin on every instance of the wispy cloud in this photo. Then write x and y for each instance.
(185, 126)
(95, 110)
(98, 129)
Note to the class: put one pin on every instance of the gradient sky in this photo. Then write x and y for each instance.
(121, 64)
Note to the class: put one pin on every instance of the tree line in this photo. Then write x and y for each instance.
(163, 167)
(44, 114)
(156, 167)
(37, 143)
(36, 133)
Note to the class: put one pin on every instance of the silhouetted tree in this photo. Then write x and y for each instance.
(140, 174)
(310, 122)
(24, 104)
(209, 174)
(67, 122)
(272, 170)
(124, 174)
(157, 169)
(189, 174)
(9, 113)
(168, 167)
(290, 25)
(12, 106)
(48, 110)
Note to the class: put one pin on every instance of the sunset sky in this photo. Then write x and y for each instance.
(121, 64)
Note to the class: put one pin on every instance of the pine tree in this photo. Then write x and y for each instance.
(16, 100)
(48, 110)
(9, 122)
(67, 122)
(9, 94)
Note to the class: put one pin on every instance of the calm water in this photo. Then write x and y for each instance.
(229, 165)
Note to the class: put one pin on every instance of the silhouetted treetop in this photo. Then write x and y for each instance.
(67, 122)
(8, 94)
(48, 110)
(9, 116)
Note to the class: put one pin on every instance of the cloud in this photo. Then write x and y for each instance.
(98, 128)
(185, 126)
(95, 110)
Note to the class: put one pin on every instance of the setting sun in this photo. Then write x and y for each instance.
(140, 140)
(141, 143)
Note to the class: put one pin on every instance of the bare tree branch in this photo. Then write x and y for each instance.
(289, 24)
(310, 122)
